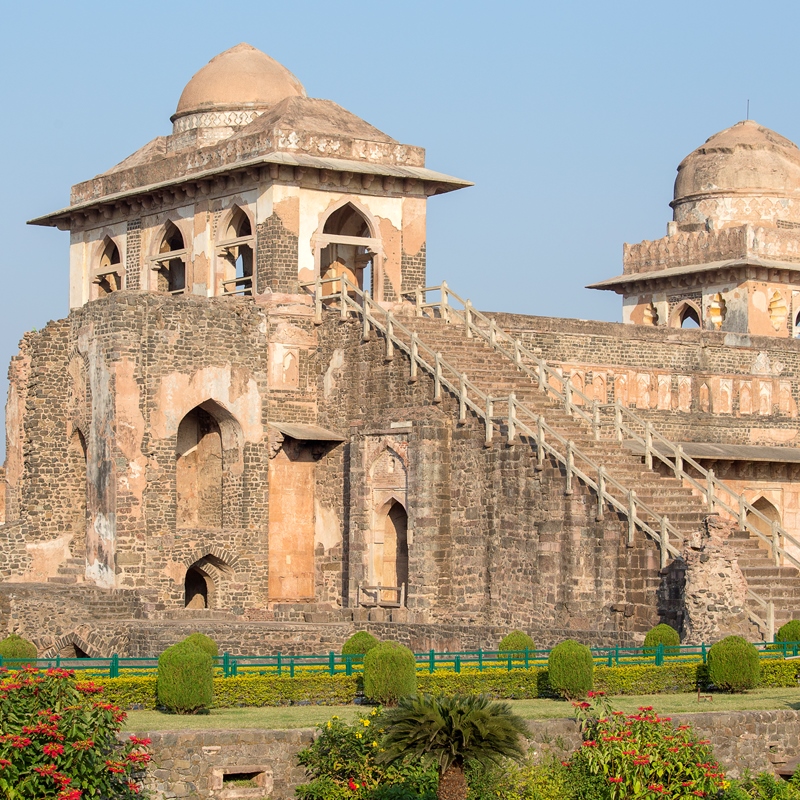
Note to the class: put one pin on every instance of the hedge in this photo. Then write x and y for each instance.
(518, 684)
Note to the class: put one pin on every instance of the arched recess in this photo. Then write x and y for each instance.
(108, 273)
(348, 243)
(390, 554)
(169, 263)
(205, 583)
(770, 511)
(76, 455)
(208, 447)
(686, 314)
(235, 254)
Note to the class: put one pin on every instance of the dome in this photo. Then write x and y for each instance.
(746, 173)
(240, 79)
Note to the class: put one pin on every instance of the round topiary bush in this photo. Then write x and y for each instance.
(390, 672)
(359, 644)
(203, 642)
(662, 634)
(20, 651)
(734, 664)
(790, 632)
(184, 682)
(570, 669)
(515, 643)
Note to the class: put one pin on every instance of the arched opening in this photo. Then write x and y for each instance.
(797, 325)
(196, 588)
(390, 554)
(72, 650)
(686, 315)
(170, 264)
(236, 253)
(108, 277)
(343, 254)
(199, 471)
(764, 526)
(76, 454)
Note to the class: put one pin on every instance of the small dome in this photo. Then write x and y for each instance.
(242, 78)
(746, 173)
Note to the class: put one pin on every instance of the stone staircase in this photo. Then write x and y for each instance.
(495, 374)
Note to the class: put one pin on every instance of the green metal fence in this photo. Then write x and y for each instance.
(430, 661)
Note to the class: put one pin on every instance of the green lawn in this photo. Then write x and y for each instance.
(310, 716)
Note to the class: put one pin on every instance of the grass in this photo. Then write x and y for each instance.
(310, 716)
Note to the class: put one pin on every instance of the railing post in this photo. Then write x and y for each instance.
(226, 657)
(444, 305)
(332, 663)
(601, 494)
(776, 544)
(596, 420)
(648, 446)
(664, 542)
(348, 665)
(540, 443)
(512, 423)
(414, 357)
(742, 514)
(492, 333)
(389, 338)
(710, 491)
(618, 420)
(567, 384)
(418, 302)
(659, 654)
(431, 660)
(631, 516)
(518, 352)
(462, 400)
(318, 300)
(437, 379)
(488, 422)
(771, 620)
(114, 666)
(342, 298)
(570, 466)
(280, 665)
(468, 318)
(679, 462)
(365, 318)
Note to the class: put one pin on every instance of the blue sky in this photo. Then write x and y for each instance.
(570, 118)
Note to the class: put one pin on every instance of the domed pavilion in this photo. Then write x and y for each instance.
(731, 258)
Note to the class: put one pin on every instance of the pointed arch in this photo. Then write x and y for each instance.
(348, 242)
(169, 263)
(108, 273)
(772, 514)
(235, 253)
(77, 462)
(686, 314)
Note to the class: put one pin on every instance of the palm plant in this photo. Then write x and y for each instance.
(450, 732)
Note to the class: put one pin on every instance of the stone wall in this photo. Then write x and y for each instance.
(194, 763)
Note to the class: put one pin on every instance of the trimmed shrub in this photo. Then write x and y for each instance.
(662, 634)
(20, 650)
(359, 644)
(790, 632)
(734, 664)
(570, 669)
(203, 642)
(516, 643)
(390, 672)
(184, 683)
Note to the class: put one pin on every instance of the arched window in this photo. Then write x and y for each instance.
(108, 276)
(349, 247)
(686, 315)
(170, 263)
(199, 471)
(764, 526)
(235, 251)
(391, 557)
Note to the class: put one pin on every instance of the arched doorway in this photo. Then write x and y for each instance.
(196, 588)
(391, 559)
(764, 526)
(235, 251)
(348, 247)
(198, 476)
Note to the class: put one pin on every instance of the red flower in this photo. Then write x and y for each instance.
(137, 740)
(4, 762)
(88, 687)
(615, 780)
(352, 785)
(84, 744)
(52, 749)
(134, 787)
(590, 743)
(72, 794)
